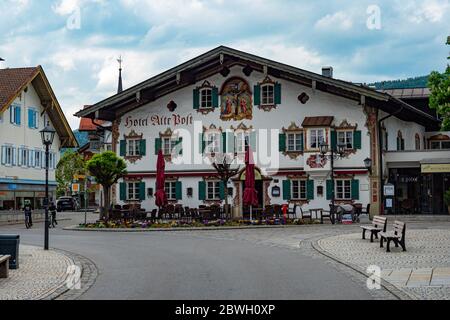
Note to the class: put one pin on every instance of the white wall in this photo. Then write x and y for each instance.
(22, 135)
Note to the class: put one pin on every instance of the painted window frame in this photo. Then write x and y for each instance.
(212, 146)
(298, 136)
(213, 185)
(317, 140)
(299, 187)
(172, 144)
(346, 138)
(13, 114)
(7, 159)
(170, 187)
(133, 190)
(36, 118)
(134, 145)
(343, 186)
(267, 99)
(206, 98)
(241, 140)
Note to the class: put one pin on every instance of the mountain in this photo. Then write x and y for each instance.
(416, 82)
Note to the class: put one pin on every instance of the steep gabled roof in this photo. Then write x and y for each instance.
(222, 57)
(14, 80)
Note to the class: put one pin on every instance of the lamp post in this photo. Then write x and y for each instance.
(47, 136)
(223, 168)
(335, 153)
(368, 164)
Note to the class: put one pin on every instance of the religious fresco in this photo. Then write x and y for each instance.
(236, 100)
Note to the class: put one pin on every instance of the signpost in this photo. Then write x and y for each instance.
(389, 193)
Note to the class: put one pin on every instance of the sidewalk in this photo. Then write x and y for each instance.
(422, 272)
(41, 275)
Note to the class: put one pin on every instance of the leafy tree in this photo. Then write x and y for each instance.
(439, 83)
(71, 164)
(107, 169)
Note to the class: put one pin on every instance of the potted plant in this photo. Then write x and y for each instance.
(447, 199)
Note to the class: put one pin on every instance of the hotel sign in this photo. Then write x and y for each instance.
(157, 120)
(436, 168)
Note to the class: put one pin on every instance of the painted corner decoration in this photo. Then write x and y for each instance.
(236, 100)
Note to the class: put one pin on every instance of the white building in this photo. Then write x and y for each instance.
(217, 102)
(27, 104)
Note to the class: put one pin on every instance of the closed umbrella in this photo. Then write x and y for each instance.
(250, 197)
(160, 195)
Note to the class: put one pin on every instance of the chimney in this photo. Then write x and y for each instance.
(327, 72)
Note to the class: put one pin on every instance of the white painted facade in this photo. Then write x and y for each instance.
(289, 111)
(20, 178)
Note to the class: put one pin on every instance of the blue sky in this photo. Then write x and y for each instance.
(79, 52)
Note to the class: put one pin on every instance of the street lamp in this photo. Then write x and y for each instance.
(47, 136)
(337, 152)
(368, 164)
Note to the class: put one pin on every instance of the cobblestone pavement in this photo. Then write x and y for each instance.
(43, 274)
(423, 271)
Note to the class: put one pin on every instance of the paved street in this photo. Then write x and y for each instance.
(233, 264)
(226, 264)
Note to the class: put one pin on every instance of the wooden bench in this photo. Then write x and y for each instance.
(397, 235)
(378, 225)
(4, 266)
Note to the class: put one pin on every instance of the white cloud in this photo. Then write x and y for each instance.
(424, 11)
(338, 20)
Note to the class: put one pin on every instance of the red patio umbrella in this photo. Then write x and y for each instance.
(160, 195)
(250, 197)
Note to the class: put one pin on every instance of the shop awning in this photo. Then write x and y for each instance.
(435, 165)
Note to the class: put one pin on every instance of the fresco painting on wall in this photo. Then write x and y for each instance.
(236, 100)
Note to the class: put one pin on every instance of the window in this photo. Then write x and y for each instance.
(33, 118)
(133, 191)
(294, 142)
(37, 159)
(316, 138)
(299, 189)
(437, 145)
(15, 114)
(168, 145)
(8, 153)
(400, 142)
(417, 141)
(206, 98)
(133, 147)
(345, 138)
(171, 190)
(242, 140)
(23, 157)
(267, 94)
(343, 189)
(213, 143)
(213, 190)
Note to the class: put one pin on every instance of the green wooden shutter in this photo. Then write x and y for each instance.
(143, 147)
(334, 140)
(142, 191)
(257, 95)
(310, 189)
(330, 189)
(179, 147)
(196, 96)
(123, 191)
(355, 189)
(202, 143)
(215, 97)
(222, 190)
(158, 144)
(253, 143)
(230, 142)
(123, 148)
(224, 142)
(286, 189)
(302, 142)
(202, 190)
(179, 190)
(282, 142)
(357, 140)
(277, 93)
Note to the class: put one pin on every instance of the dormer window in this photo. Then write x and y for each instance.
(316, 137)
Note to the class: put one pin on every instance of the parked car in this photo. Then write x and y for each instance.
(67, 203)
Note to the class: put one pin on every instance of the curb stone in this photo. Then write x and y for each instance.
(397, 292)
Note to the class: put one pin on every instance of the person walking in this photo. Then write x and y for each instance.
(52, 209)
(28, 213)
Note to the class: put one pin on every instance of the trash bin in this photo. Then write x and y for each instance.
(9, 245)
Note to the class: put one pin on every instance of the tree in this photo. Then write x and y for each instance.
(107, 169)
(439, 84)
(71, 164)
